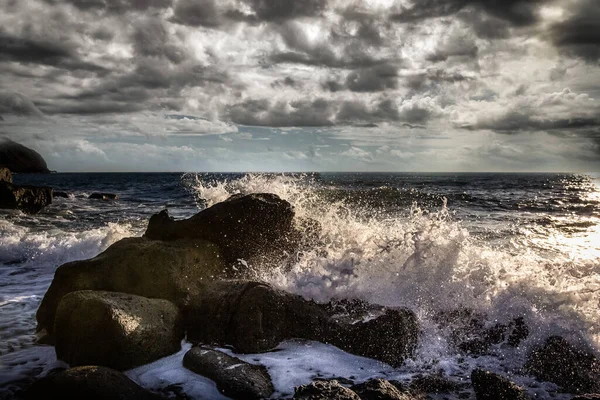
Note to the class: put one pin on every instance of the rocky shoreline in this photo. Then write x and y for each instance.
(136, 301)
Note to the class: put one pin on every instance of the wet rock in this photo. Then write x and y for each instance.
(324, 390)
(234, 378)
(173, 271)
(490, 386)
(90, 383)
(5, 175)
(254, 317)
(575, 369)
(434, 384)
(21, 159)
(29, 199)
(61, 194)
(115, 330)
(103, 196)
(250, 227)
(379, 389)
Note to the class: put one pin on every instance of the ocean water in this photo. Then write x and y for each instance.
(504, 245)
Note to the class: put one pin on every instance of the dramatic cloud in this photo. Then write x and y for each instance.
(304, 85)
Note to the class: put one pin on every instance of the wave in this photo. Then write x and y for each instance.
(426, 260)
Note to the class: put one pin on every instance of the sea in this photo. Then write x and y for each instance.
(501, 244)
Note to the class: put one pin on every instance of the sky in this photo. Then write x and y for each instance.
(303, 85)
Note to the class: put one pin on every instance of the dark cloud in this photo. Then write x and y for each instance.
(197, 13)
(521, 121)
(358, 112)
(579, 35)
(279, 10)
(44, 52)
(116, 6)
(433, 77)
(317, 112)
(454, 46)
(373, 79)
(91, 107)
(516, 12)
(286, 82)
(151, 39)
(18, 104)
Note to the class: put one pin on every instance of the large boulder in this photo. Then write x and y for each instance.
(255, 317)
(324, 390)
(380, 389)
(5, 175)
(235, 378)
(115, 330)
(490, 386)
(21, 159)
(250, 227)
(175, 271)
(29, 199)
(575, 369)
(90, 383)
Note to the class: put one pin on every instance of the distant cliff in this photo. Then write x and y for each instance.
(18, 158)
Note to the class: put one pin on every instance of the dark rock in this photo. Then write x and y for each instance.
(173, 271)
(324, 390)
(103, 196)
(250, 227)
(115, 330)
(490, 386)
(29, 199)
(90, 383)
(434, 384)
(61, 194)
(21, 159)
(5, 175)
(254, 317)
(558, 361)
(379, 389)
(234, 378)
(587, 397)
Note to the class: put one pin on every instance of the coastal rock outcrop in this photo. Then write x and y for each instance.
(29, 199)
(234, 378)
(21, 159)
(380, 389)
(244, 226)
(324, 390)
(575, 369)
(5, 175)
(254, 317)
(175, 271)
(90, 383)
(115, 330)
(490, 386)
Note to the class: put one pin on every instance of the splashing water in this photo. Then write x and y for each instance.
(427, 261)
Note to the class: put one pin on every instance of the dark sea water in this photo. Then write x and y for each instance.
(505, 245)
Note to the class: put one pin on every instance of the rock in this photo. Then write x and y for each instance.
(5, 175)
(90, 383)
(490, 386)
(379, 389)
(115, 330)
(324, 390)
(433, 384)
(234, 378)
(587, 397)
(29, 199)
(103, 196)
(251, 227)
(254, 317)
(173, 271)
(558, 361)
(21, 159)
(61, 194)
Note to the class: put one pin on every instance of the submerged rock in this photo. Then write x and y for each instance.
(5, 175)
(490, 386)
(21, 159)
(29, 199)
(244, 227)
(103, 196)
(115, 330)
(254, 317)
(234, 378)
(175, 271)
(324, 390)
(558, 361)
(90, 383)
